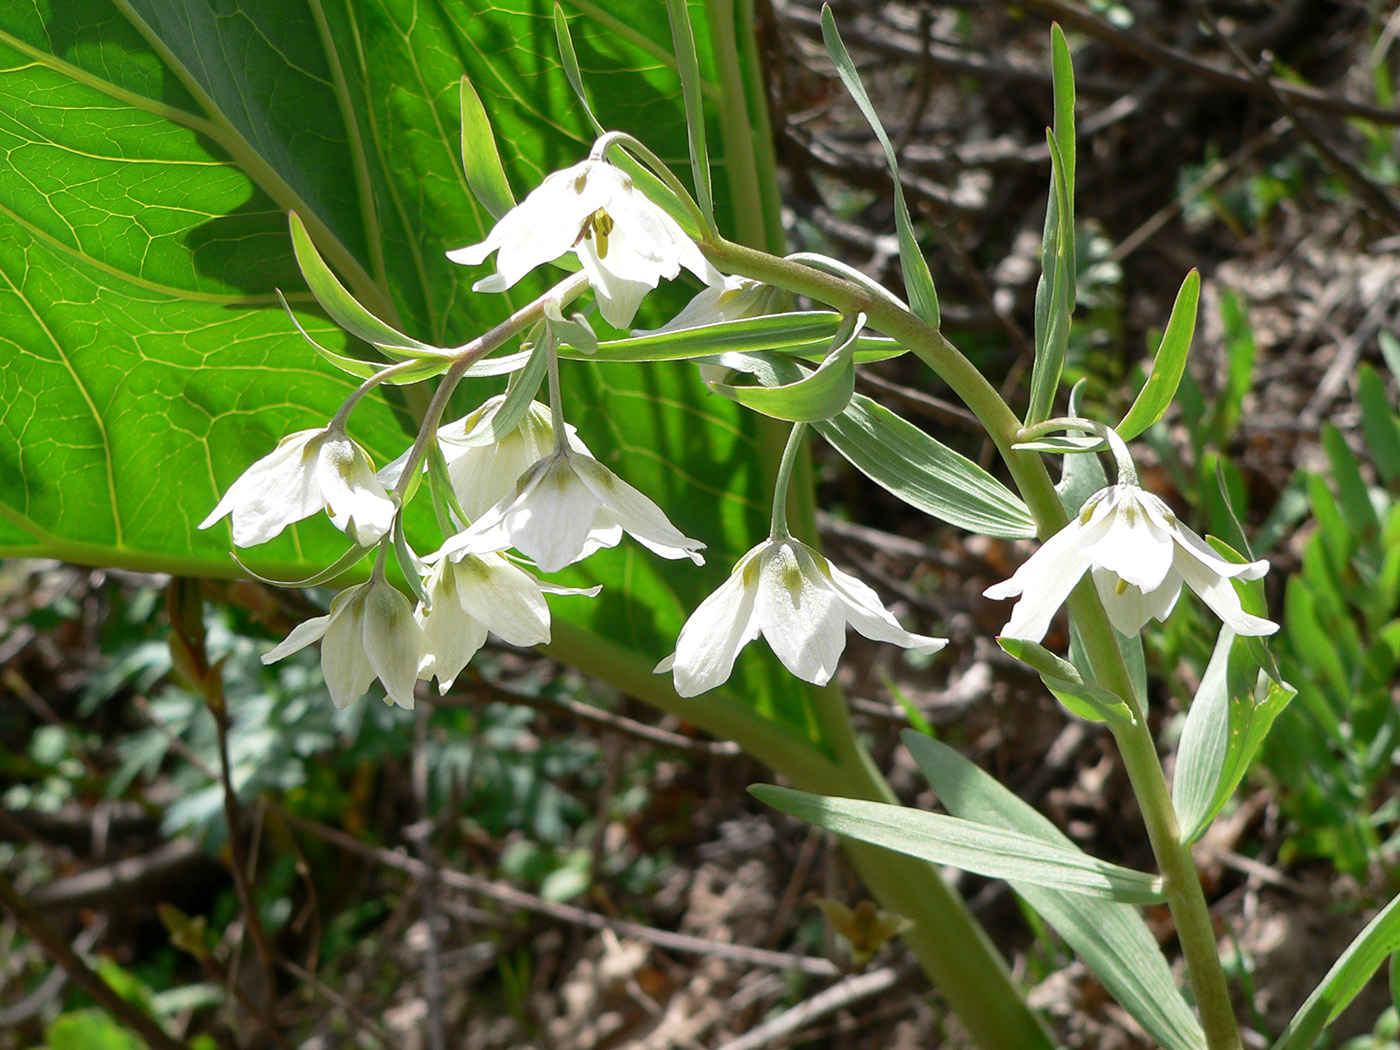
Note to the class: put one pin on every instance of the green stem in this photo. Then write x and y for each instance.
(778, 529)
(1184, 894)
(383, 375)
(563, 293)
(622, 140)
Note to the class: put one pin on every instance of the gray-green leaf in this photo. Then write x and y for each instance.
(1112, 939)
(995, 852)
(925, 473)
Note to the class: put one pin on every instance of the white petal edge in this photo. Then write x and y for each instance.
(711, 638)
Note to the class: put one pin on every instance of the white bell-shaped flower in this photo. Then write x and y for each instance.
(787, 592)
(1139, 555)
(565, 507)
(369, 633)
(624, 242)
(482, 468)
(309, 471)
(475, 594)
(733, 299)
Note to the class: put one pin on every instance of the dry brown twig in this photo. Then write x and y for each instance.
(515, 898)
(56, 948)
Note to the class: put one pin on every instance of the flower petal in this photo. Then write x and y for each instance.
(277, 490)
(549, 220)
(393, 641)
(619, 295)
(344, 664)
(867, 615)
(1048, 576)
(302, 635)
(643, 519)
(1130, 607)
(450, 634)
(504, 598)
(358, 504)
(711, 638)
(802, 617)
(1134, 548)
(1219, 594)
(1213, 561)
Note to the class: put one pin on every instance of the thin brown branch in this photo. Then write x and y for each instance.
(147, 876)
(56, 948)
(1090, 24)
(1382, 206)
(677, 942)
(339, 1001)
(839, 996)
(486, 691)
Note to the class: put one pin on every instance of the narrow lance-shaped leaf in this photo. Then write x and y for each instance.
(1112, 939)
(1353, 499)
(1348, 976)
(923, 472)
(569, 58)
(683, 39)
(1379, 423)
(344, 309)
(1066, 140)
(781, 333)
(425, 369)
(1231, 714)
(818, 396)
(1169, 364)
(1053, 291)
(481, 161)
(1067, 685)
(917, 279)
(994, 852)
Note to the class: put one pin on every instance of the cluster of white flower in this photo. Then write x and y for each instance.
(538, 490)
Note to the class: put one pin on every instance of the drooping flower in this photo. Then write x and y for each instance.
(1139, 556)
(308, 471)
(624, 242)
(369, 633)
(565, 507)
(473, 594)
(482, 467)
(795, 598)
(733, 299)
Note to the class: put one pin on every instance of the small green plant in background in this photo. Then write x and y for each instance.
(1331, 758)
(1335, 754)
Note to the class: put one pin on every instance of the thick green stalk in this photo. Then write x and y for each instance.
(1184, 894)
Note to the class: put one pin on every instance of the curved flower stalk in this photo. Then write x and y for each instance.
(472, 595)
(625, 243)
(795, 598)
(309, 471)
(1139, 555)
(565, 507)
(483, 471)
(369, 633)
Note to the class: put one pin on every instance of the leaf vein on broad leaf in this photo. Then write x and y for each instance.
(106, 444)
(160, 109)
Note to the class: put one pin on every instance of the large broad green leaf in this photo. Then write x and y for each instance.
(152, 151)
